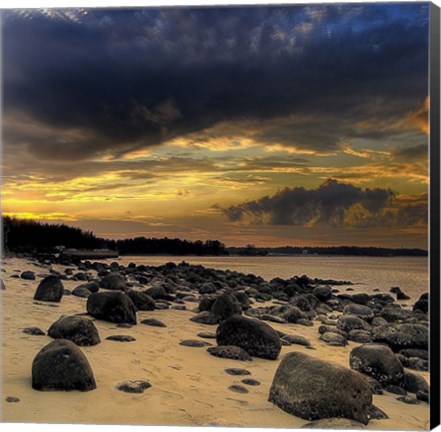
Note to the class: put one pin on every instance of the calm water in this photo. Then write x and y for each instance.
(409, 273)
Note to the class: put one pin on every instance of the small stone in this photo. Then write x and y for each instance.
(237, 371)
(121, 338)
(206, 335)
(34, 331)
(395, 389)
(153, 322)
(12, 399)
(137, 386)
(409, 400)
(250, 381)
(194, 343)
(230, 352)
(238, 388)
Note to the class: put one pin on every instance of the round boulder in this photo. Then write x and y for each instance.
(313, 389)
(401, 336)
(141, 300)
(113, 281)
(112, 306)
(377, 361)
(225, 306)
(50, 289)
(78, 329)
(361, 311)
(352, 322)
(61, 365)
(255, 337)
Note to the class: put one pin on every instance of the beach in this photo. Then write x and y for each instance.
(189, 387)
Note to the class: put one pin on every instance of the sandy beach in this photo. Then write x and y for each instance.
(189, 386)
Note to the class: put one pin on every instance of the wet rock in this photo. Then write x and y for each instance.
(141, 300)
(377, 361)
(61, 365)
(401, 336)
(230, 352)
(313, 389)
(113, 281)
(112, 306)
(333, 339)
(77, 329)
(50, 289)
(376, 387)
(136, 386)
(250, 381)
(378, 321)
(34, 331)
(153, 322)
(327, 328)
(28, 275)
(272, 318)
(237, 371)
(121, 338)
(334, 423)
(256, 337)
(238, 388)
(194, 343)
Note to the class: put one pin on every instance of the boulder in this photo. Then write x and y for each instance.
(92, 286)
(153, 322)
(157, 293)
(205, 317)
(333, 339)
(61, 365)
(361, 311)
(323, 293)
(401, 336)
(50, 289)
(112, 306)
(28, 275)
(414, 383)
(377, 361)
(113, 281)
(352, 322)
(360, 336)
(81, 291)
(314, 389)
(225, 306)
(394, 313)
(141, 300)
(293, 314)
(230, 352)
(361, 299)
(255, 337)
(77, 329)
(422, 303)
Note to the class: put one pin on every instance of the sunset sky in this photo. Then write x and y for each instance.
(294, 125)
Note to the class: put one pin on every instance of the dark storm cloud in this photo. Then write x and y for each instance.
(326, 205)
(119, 80)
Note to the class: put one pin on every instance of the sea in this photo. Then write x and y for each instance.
(367, 274)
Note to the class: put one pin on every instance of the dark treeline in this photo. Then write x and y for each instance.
(29, 236)
(251, 250)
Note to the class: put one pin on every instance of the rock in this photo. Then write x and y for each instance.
(352, 322)
(255, 337)
(12, 399)
(113, 281)
(141, 300)
(377, 361)
(333, 339)
(92, 286)
(225, 306)
(402, 296)
(422, 303)
(323, 293)
(205, 318)
(124, 325)
(409, 400)
(121, 338)
(206, 335)
(376, 413)
(238, 388)
(34, 331)
(237, 371)
(28, 275)
(423, 354)
(137, 386)
(423, 396)
(361, 311)
(361, 299)
(293, 314)
(414, 383)
(194, 343)
(61, 365)
(77, 329)
(392, 313)
(250, 381)
(326, 328)
(378, 321)
(305, 322)
(272, 318)
(50, 289)
(360, 336)
(401, 336)
(415, 363)
(157, 293)
(334, 423)
(81, 291)
(391, 388)
(296, 339)
(230, 352)
(112, 306)
(153, 322)
(313, 389)
(376, 387)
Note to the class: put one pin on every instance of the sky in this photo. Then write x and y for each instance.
(279, 125)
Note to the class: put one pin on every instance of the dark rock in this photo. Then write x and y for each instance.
(113, 281)
(77, 329)
(361, 311)
(80, 276)
(423, 396)
(225, 306)
(137, 386)
(326, 328)
(194, 343)
(293, 314)
(81, 291)
(334, 423)
(206, 335)
(305, 322)
(401, 336)
(360, 336)
(157, 293)
(272, 318)
(92, 286)
(377, 361)
(414, 363)
(256, 337)
(61, 365)
(237, 371)
(376, 413)
(408, 400)
(422, 303)
(392, 313)
(121, 338)
(28, 275)
(323, 293)
(250, 381)
(50, 289)
(296, 339)
(205, 318)
(141, 300)
(153, 322)
(333, 339)
(423, 354)
(361, 299)
(391, 388)
(314, 389)
(12, 399)
(378, 321)
(34, 331)
(112, 306)
(230, 352)
(238, 388)
(414, 383)
(376, 387)
(402, 296)
(352, 322)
